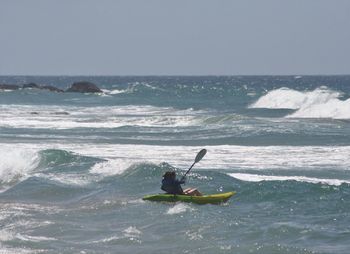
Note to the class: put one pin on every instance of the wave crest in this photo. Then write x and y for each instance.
(319, 103)
(16, 164)
(259, 178)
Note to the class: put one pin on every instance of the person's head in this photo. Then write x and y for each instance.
(169, 175)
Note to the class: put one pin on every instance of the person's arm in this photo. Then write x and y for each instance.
(181, 181)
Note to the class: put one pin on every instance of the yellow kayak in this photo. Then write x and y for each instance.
(205, 199)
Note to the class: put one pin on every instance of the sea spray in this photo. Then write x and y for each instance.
(111, 167)
(319, 103)
(16, 163)
(179, 208)
(292, 99)
(333, 108)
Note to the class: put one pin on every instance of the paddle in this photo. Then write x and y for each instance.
(199, 156)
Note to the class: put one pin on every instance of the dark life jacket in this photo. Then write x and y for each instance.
(172, 186)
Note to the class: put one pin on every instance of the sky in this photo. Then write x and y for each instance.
(178, 37)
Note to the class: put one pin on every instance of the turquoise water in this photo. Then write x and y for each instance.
(74, 167)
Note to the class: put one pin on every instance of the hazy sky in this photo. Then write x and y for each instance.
(162, 37)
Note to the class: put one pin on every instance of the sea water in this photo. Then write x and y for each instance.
(74, 167)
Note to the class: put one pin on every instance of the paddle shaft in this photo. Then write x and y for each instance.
(188, 171)
(199, 156)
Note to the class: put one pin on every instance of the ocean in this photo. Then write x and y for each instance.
(74, 167)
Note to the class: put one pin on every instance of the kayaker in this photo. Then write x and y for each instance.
(172, 185)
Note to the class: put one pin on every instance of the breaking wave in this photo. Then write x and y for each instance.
(319, 103)
(259, 178)
(70, 117)
(16, 164)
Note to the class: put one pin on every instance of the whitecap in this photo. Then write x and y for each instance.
(334, 108)
(320, 103)
(179, 208)
(286, 98)
(44, 117)
(224, 157)
(132, 232)
(111, 167)
(16, 163)
(34, 238)
(67, 179)
(259, 178)
(117, 91)
(6, 235)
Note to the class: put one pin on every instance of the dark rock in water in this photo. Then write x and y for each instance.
(34, 113)
(84, 87)
(51, 88)
(60, 113)
(30, 85)
(79, 87)
(9, 87)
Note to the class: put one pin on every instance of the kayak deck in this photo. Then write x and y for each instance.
(205, 199)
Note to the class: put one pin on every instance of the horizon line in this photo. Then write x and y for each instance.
(163, 75)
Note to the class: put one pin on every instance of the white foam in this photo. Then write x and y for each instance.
(106, 240)
(20, 209)
(16, 163)
(6, 235)
(179, 208)
(111, 167)
(195, 234)
(6, 90)
(34, 238)
(67, 179)
(132, 232)
(285, 98)
(259, 178)
(225, 247)
(118, 91)
(334, 108)
(223, 157)
(6, 250)
(67, 117)
(319, 103)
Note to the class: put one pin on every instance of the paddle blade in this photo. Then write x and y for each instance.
(200, 155)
